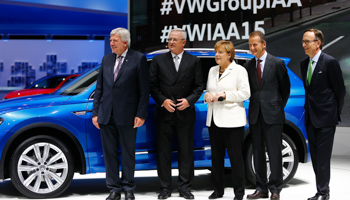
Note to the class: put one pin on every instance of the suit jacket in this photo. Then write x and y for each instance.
(167, 83)
(272, 95)
(128, 96)
(324, 97)
(234, 82)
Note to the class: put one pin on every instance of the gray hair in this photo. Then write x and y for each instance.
(123, 33)
(184, 35)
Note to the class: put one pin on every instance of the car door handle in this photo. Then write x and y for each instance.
(83, 112)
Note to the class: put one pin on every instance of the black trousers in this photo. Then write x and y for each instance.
(321, 146)
(267, 136)
(232, 140)
(111, 136)
(184, 131)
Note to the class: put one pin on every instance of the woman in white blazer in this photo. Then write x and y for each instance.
(227, 88)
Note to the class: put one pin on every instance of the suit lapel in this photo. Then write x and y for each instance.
(182, 67)
(169, 61)
(110, 65)
(227, 71)
(125, 63)
(216, 72)
(253, 71)
(267, 69)
(317, 69)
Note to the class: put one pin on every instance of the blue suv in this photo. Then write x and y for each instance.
(45, 139)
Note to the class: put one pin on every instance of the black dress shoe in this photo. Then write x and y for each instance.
(164, 194)
(129, 195)
(319, 197)
(186, 194)
(258, 195)
(325, 197)
(215, 195)
(238, 198)
(275, 196)
(313, 198)
(113, 196)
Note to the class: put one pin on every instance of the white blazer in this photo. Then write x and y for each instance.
(234, 82)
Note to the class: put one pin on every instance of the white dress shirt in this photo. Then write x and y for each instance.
(315, 59)
(117, 60)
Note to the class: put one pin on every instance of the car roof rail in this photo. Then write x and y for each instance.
(196, 49)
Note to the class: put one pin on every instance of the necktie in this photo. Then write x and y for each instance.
(118, 67)
(309, 74)
(258, 71)
(177, 63)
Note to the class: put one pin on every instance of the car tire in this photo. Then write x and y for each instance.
(41, 167)
(290, 161)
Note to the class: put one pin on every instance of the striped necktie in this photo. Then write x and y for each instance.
(118, 67)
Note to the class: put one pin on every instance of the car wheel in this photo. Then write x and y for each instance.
(290, 160)
(41, 167)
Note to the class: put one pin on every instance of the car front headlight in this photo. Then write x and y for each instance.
(1, 120)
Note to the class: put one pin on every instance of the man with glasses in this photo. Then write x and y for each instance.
(324, 99)
(176, 83)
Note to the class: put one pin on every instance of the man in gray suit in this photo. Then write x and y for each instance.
(270, 88)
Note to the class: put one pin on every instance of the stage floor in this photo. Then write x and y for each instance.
(92, 186)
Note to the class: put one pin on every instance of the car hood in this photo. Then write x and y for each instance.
(21, 103)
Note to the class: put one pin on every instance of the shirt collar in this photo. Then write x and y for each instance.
(124, 53)
(179, 55)
(262, 58)
(317, 56)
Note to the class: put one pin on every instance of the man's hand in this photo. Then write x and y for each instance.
(94, 121)
(183, 104)
(138, 122)
(169, 105)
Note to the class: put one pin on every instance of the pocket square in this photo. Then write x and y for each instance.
(320, 72)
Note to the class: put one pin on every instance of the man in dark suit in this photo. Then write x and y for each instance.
(270, 88)
(176, 83)
(120, 107)
(324, 99)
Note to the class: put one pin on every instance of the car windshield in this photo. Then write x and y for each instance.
(79, 84)
(47, 83)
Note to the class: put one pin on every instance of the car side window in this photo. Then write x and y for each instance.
(51, 82)
(241, 61)
(81, 84)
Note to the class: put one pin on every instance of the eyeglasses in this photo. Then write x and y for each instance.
(174, 40)
(307, 42)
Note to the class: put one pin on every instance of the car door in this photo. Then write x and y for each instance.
(145, 141)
